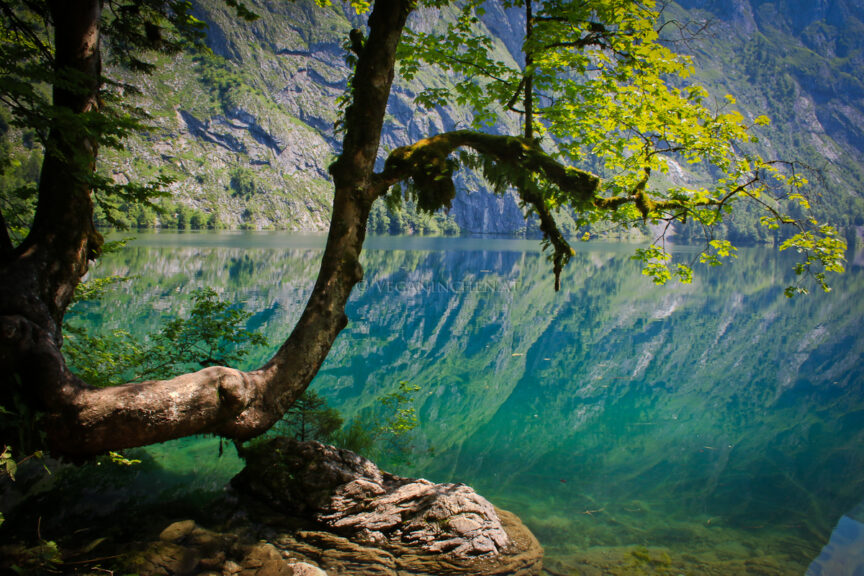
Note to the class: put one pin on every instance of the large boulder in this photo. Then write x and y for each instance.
(373, 522)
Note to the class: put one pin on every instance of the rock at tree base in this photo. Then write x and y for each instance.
(372, 522)
(322, 511)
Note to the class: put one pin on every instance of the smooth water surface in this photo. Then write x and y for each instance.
(711, 428)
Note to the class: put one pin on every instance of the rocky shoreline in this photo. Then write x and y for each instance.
(306, 509)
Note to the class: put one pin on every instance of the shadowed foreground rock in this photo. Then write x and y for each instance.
(305, 509)
(184, 548)
(372, 522)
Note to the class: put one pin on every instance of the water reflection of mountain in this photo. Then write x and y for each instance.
(718, 404)
(722, 401)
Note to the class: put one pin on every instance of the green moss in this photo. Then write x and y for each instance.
(654, 557)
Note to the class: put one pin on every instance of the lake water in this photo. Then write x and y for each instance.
(711, 428)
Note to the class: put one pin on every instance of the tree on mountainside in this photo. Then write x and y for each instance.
(605, 110)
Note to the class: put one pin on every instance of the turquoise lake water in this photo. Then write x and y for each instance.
(711, 428)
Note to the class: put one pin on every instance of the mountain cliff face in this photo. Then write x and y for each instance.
(248, 133)
(802, 63)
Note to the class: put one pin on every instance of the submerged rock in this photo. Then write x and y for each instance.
(184, 548)
(177, 530)
(373, 522)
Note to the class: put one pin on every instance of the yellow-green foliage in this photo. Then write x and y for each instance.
(617, 101)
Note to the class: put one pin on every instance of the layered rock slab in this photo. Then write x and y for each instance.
(373, 522)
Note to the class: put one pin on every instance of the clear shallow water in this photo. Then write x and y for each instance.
(714, 428)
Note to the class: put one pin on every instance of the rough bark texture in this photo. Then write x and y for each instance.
(40, 275)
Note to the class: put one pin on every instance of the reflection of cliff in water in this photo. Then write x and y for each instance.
(722, 401)
(595, 412)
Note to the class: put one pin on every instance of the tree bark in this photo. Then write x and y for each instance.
(528, 102)
(63, 235)
(6, 245)
(41, 274)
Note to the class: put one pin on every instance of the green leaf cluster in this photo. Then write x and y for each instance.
(403, 417)
(610, 96)
(121, 460)
(481, 79)
(7, 464)
(823, 252)
(20, 164)
(385, 431)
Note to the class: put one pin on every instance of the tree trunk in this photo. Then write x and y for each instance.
(42, 273)
(528, 102)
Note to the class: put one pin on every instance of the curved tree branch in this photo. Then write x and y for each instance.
(407, 161)
(420, 160)
(83, 421)
(426, 162)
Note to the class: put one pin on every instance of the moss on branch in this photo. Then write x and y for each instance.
(428, 164)
(428, 159)
(520, 163)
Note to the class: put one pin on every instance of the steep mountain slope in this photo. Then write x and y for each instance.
(801, 62)
(248, 133)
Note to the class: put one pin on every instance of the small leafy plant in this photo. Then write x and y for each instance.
(310, 418)
(384, 432)
(214, 333)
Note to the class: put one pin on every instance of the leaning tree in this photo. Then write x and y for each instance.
(605, 111)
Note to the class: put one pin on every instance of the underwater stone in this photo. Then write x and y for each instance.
(304, 569)
(177, 531)
(265, 560)
(166, 558)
